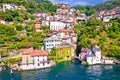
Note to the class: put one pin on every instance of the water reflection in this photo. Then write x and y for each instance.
(36, 75)
(94, 70)
(108, 67)
(67, 71)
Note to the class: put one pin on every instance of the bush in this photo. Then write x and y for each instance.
(35, 45)
(12, 61)
(19, 28)
(2, 42)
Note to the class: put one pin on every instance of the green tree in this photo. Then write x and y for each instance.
(35, 45)
(94, 22)
(19, 28)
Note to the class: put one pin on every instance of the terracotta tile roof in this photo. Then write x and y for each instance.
(51, 34)
(54, 37)
(39, 53)
(38, 23)
(64, 43)
(26, 51)
(74, 42)
(33, 52)
(73, 35)
(66, 37)
(84, 49)
(22, 50)
(65, 30)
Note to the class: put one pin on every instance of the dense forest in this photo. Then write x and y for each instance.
(110, 4)
(88, 10)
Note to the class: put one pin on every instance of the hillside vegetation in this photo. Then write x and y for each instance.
(88, 10)
(110, 4)
(108, 38)
(14, 38)
(33, 7)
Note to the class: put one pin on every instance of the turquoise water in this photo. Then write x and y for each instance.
(67, 71)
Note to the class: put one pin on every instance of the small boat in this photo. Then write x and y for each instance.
(11, 71)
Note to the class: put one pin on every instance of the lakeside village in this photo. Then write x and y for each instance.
(61, 43)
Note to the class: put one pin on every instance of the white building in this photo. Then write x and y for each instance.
(45, 23)
(51, 42)
(9, 7)
(57, 25)
(92, 56)
(49, 18)
(60, 37)
(2, 22)
(58, 17)
(82, 17)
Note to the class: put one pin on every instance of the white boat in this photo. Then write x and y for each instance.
(11, 71)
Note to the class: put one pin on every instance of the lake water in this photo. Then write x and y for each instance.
(67, 71)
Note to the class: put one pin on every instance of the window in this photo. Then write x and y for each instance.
(38, 64)
(26, 59)
(43, 64)
(38, 58)
(33, 60)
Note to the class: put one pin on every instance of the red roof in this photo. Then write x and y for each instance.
(33, 52)
(73, 34)
(66, 38)
(39, 53)
(65, 30)
(64, 43)
(26, 51)
(22, 50)
(74, 42)
(38, 23)
(84, 49)
(50, 34)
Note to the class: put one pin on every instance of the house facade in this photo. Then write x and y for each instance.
(34, 59)
(60, 37)
(38, 27)
(64, 17)
(107, 15)
(51, 42)
(9, 7)
(45, 22)
(57, 25)
(81, 18)
(92, 56)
